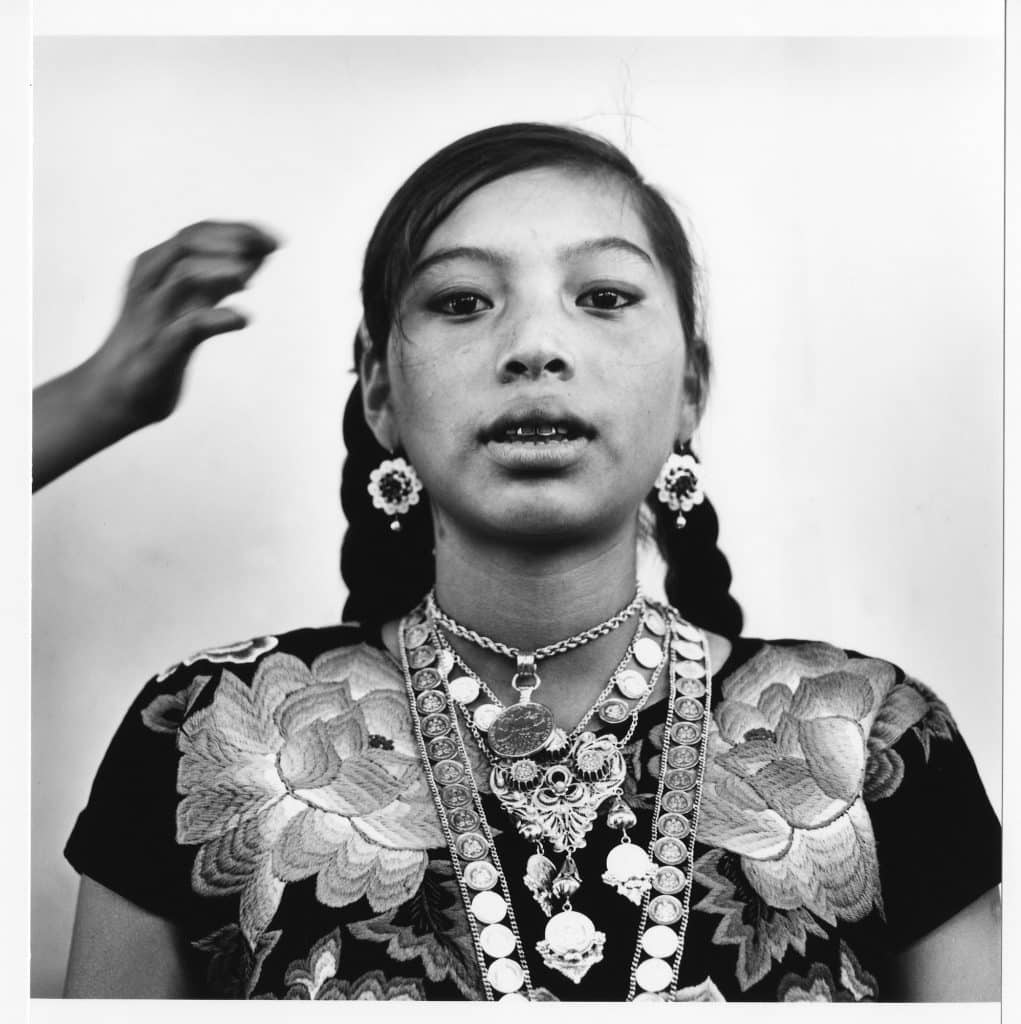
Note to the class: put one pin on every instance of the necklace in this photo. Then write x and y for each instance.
(525, 728)
(571, 944)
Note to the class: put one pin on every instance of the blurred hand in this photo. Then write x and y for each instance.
(171, 307)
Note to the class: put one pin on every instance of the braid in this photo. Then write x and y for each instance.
(698, 575)
(386, 573)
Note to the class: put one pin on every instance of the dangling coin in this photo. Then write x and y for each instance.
(648, 653)
(675, 825)
(689, 709)
(463, 689)
(669, 879)
(689, 670)
(680, 778)
(665, 909)
(632, 684)
(455, 796)
(614, 711)
(687, 631)
(426, 679)
(627, 860)
(483, 716)
(654, 622)
(435, 725)
(520, 730)
(489, 907)
(654, 975)
(570, 932)
(431, 701)
(687, 649)
(505, 975)
(444, 663)
(690, 687)
(463, 819)
(669, 850)
(422, 656)
(682, 756)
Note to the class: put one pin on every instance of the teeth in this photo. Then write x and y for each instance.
(537, 430)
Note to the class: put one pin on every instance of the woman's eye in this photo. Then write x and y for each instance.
(607, 298)
(460, 304)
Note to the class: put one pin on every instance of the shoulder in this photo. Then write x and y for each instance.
(811, 680)
(277, 663)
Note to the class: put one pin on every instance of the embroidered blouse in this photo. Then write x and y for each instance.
(268, 797)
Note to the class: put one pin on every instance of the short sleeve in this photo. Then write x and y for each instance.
(938, 838)
(125, 837)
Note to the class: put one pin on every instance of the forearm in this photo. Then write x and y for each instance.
(72, 419)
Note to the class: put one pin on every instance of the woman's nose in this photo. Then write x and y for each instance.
(534, 349)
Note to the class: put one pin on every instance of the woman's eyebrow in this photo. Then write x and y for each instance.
(460, 252)
(611, 243)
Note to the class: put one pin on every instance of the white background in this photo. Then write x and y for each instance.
(846, 196)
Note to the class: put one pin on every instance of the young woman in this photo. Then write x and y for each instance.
(509, 774)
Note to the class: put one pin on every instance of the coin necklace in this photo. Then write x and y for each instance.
(571, 939)
(525, 727)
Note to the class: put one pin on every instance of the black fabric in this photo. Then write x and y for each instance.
(262, 796)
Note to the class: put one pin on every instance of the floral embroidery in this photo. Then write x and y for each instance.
(761, 933)
(282, 781)
(315, 977)
(234, 967)
(166, 712)
(854, 978)
(783, 786)
(704, 992)
(818, 986)
(431, 927)
(242, 653)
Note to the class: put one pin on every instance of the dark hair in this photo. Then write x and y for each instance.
(387, 573)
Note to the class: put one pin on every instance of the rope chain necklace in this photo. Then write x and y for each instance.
(552, 793)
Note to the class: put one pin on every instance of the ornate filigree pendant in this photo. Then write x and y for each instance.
(572, 944)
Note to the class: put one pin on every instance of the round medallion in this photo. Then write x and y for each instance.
(686, 631)
(654, 975)
(570, 932)
(627, 860)
(463, 819)
(689, 709)
(496, 940)
(480, 875)
(488, 907)
(513, 997)
(669, 850)
(463, 689)
(687, 649)
(435, 725)
(675, 825)
(448, 772)
(613, 711)
(455, 796)
(444, 663)
(665, 909)
(682, 756)
(690, 687)
(422, 656)
(472, 846)
(650, 997)
(661, 941)
(431, 701)
(685, 732)
(416, 636)
(505, 975)
(648, 653)
(632, 684)
(520, 730)
(689, 670)
(669, 880)
(483, 716)
(426, 679)
(654, 622)
(677, 801)
(441, 749)
(680, 778)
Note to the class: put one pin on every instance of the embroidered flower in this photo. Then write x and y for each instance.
(234, 966)
(242, 653)
(783, 786)
(819, 986)
(306, 773)
(166, 712)
(704, 992)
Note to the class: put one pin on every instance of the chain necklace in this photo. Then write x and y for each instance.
(658, 884)
(525, 728)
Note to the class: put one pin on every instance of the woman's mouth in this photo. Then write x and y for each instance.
(537, 433)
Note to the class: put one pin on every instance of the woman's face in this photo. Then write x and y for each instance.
(539, 384)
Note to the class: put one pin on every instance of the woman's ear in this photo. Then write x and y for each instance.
(377, 395)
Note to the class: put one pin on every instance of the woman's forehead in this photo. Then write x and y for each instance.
(546, 208)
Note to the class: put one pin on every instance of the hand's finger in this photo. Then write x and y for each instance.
(197, 281)
(209, 238)
(192, 328)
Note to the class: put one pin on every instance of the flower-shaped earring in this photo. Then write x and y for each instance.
(678, 485)
(394, 487)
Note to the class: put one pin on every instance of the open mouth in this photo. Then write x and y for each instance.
(538, 433)
(537, 427)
